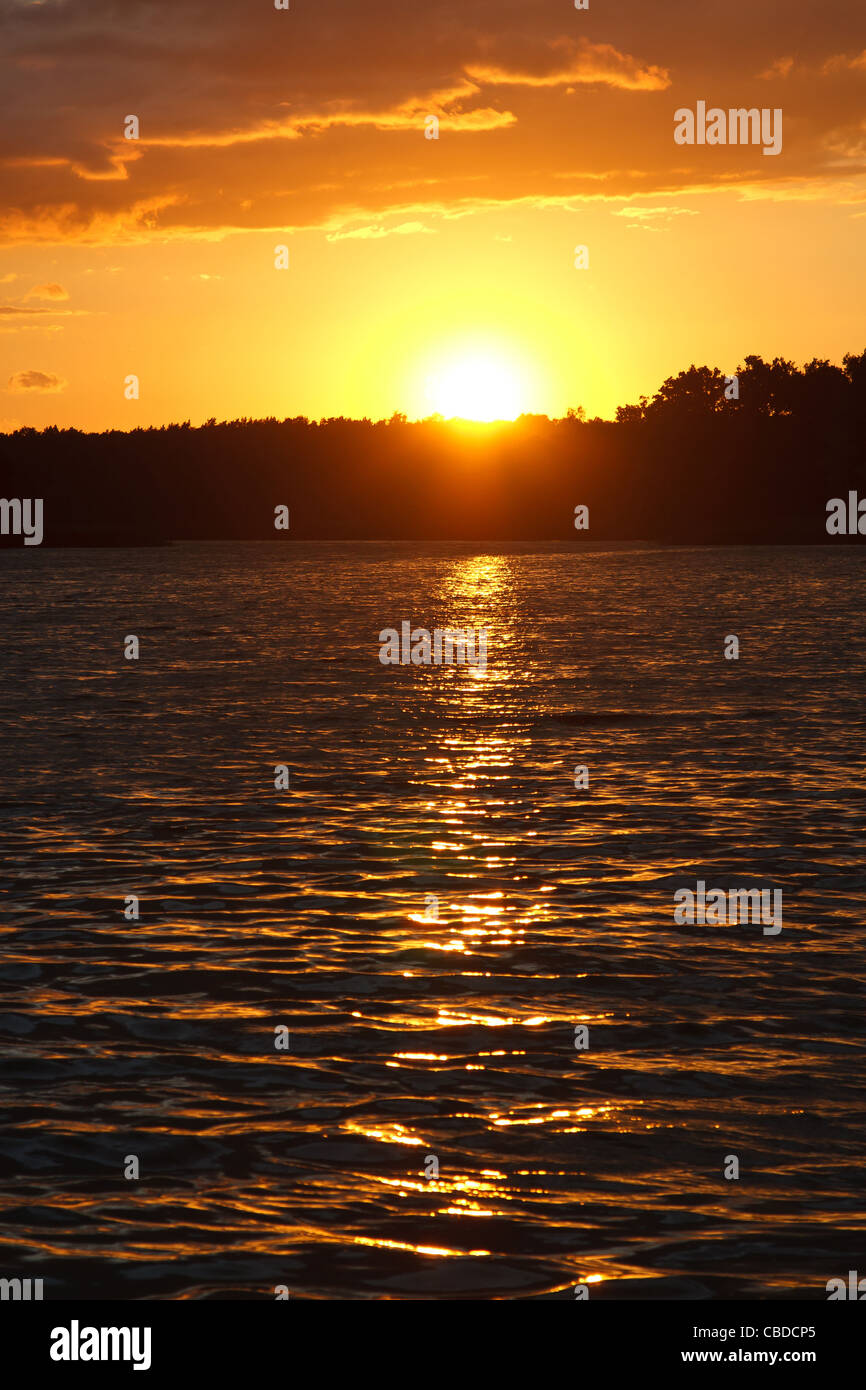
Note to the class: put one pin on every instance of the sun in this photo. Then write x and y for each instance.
(477, 386)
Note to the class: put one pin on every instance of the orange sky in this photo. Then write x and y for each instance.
(410, 257)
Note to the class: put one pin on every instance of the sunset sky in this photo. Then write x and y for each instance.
(410, 256)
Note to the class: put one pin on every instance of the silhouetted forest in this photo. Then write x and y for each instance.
(755, 460)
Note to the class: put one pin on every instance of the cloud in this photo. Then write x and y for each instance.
(646, 215)
(780, 68)
(30, 311)
(407, 116)
(253, 119)
(20, 315)
(375, 232)
(45, 382)
(840, 62)
(48, 291)
(25, 325)
(831, 66)
(73, 222)
(567, 61)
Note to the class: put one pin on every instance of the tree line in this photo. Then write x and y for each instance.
(753, 456)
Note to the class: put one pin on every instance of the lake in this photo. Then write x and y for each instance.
(431, 907)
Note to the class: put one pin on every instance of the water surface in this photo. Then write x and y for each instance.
(412, 1038)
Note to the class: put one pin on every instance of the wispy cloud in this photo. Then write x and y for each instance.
(645, 217)
(782, 67)
(565, 62)
(374, 233)
(840, 62)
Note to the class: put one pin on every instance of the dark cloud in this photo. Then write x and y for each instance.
(31, 380)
